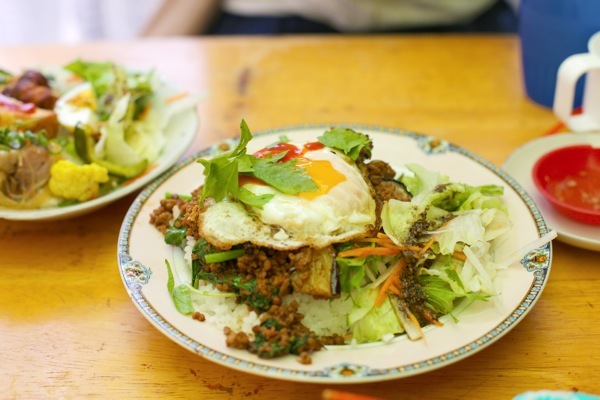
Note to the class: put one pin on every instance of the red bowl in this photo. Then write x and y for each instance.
(569, 178)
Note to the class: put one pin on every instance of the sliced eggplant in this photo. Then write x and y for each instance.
(393, 189)
(319, 277)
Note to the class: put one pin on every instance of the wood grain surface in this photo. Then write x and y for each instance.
(67, 326)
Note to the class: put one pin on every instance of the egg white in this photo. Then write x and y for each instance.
(77, 106)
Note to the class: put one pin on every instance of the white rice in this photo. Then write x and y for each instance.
(324, 317)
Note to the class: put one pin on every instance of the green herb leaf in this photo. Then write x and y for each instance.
(283, 176)
(221, 172)
(175, 236)
(348, 141)
(251, 199)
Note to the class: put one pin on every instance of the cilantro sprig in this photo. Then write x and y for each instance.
(348, 141)
(222, 174)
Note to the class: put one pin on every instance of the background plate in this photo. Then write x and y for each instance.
(520, 165)
(142, 254)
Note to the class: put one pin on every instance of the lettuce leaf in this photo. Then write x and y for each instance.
(422, 180)
(352, 273)
(432, 188)
(398, 217)
(111, 82)
(370, 323)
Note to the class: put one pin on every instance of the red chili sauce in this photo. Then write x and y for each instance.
(581, 190)
(292, 150)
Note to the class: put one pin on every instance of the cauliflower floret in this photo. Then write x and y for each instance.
(76, 182)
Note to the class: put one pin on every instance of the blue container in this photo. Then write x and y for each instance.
(551, 31)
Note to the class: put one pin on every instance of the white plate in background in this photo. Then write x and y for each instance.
(519, 165)
(180, 132)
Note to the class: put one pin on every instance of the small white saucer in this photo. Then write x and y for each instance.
(519, 165)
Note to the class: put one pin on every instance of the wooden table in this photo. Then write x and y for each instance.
(68, 328)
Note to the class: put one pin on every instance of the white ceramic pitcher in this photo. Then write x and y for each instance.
(568, 74)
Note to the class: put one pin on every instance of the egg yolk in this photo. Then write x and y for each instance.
(323, 175)
(322, 172)
(83, 99)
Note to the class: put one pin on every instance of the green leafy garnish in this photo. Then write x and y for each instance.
(348, 141)
(222, 174)
(14, 139)
(283, 176)
(247, 197)
(266, 349)
(175, 236)
(246, 290)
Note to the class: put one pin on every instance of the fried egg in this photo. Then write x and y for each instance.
(77, 106)
(342, 208)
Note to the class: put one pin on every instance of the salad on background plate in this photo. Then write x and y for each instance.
(76, 137)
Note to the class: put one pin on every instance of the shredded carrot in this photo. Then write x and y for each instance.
(175, 97)
(368, 251)
(374, 240)
(384, 241)
(426, 247)
(394, 290)
(437, 322)
(459, 255)
(391, 245)
(142, 116)
(394, 278)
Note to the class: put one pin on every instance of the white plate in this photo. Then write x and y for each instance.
(180, 133)
(142, 255)
(520, 163)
